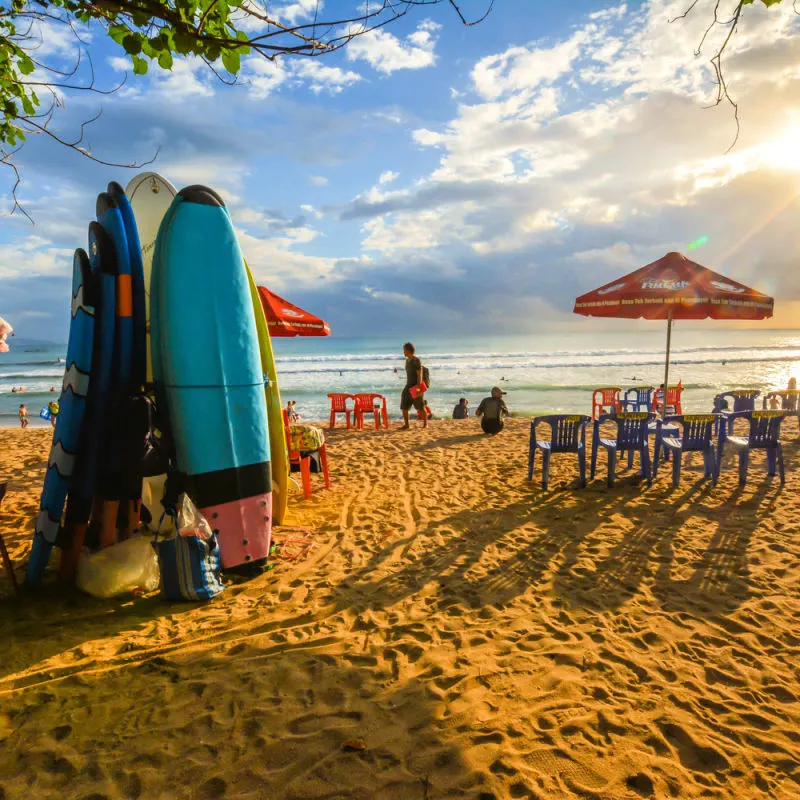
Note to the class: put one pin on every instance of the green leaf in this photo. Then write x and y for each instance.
(132, 44)
(25, 65)
(231, 61)
(139, 65)
(165, 60)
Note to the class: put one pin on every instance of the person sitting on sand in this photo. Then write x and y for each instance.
(413, 381)
(461, 411)
(492, 410)
(23, 416)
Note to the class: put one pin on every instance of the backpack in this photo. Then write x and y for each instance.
(426, 376)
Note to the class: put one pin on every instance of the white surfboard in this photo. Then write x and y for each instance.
(150, 195)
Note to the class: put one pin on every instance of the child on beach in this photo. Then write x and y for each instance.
(52, 407)
(23, 416)
(492, 410)
(293, 415)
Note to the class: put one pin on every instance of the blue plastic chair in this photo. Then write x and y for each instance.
(638, 398)
(764, 434)
(740, 399)
(788, 399)
(567, 435)
(699, 434)
(632, 437)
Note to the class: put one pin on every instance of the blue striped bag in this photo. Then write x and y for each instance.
(190, 567)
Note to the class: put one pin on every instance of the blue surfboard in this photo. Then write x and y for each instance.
(103, 260)
(207, 368)
(139, 344)
(70, 419)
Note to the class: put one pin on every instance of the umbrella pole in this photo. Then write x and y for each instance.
(666, 367)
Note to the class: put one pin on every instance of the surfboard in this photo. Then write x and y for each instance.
(139, 307)
(111, 474)
(150, 197)
(103, 260)
(69, 422)
(207, 365)
(277, 431)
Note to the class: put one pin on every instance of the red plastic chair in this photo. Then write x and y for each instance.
(305, 461)
(365, 404)
(673, 399)
(606, 401)
(339, 406)
(3, 552)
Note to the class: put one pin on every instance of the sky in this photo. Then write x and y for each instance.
(432, 177)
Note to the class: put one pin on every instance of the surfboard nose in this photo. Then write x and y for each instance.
(201, 195)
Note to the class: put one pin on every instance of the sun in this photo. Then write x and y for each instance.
(783, 152)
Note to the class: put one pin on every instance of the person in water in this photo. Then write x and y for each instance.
(413, 381)
(24, 420)
(492, 410)
(461, 411)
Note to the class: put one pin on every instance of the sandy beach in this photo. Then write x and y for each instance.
(454, 632)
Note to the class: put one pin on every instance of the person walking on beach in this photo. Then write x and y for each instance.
(52, 407)
(24, 420)
(492, 410)
(413, 381)
(461, 411)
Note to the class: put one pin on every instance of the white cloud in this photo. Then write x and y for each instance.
(322, 78)
(387, 176)
(318, 180)
(386, 53)
(299, 11)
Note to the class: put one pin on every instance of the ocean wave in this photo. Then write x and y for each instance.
(493, 365)
(608, 352)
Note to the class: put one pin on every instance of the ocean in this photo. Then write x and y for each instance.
(542, 373)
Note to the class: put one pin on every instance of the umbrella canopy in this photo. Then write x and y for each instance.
(5, 329)
(674, 288)
(286, 319)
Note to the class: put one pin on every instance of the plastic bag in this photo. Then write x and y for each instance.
(191, 522)
(128, 566)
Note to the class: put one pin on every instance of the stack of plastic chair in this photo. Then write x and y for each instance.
(632, 437)
(567, 435)
(365, 404)
(339, 406)
(674, 394)
(301, 441)
(9, 567)
(764, 434)
(699, 434)
(638, 398)
(605, 400)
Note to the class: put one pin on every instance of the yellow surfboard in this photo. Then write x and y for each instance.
(279, 453)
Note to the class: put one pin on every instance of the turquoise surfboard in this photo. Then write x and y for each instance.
(207, 371)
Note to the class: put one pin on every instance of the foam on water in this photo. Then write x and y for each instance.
(542, 373)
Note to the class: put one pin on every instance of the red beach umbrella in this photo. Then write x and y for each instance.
(286, 319)
(674, 288)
